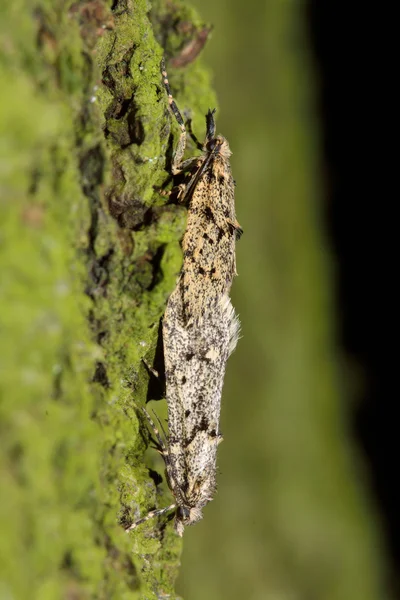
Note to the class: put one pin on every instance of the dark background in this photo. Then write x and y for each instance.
(350, 104)
(307, 503)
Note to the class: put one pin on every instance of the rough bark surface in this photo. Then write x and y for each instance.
(89, 253)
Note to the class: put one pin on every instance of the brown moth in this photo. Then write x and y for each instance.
(200, 328)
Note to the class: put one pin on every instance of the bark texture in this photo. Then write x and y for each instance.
(89, 253)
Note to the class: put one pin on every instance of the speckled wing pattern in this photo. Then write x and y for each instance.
(209, 242)
(200, 330)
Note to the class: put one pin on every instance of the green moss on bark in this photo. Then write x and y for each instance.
(89, 253)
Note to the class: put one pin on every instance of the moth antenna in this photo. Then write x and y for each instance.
(150, 515)
(171, 100)
(180, 150)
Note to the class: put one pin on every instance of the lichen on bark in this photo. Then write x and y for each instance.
(89, 253)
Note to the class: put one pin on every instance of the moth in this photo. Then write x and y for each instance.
(200, 328)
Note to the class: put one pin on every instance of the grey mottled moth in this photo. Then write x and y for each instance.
(200, 328)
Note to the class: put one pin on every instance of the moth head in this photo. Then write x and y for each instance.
(186, 515)
(219, 145)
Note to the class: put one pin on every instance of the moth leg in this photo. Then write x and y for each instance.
(160, 424)
(156, 443)
(199, 146)
(210, 124)
(180, 149)
(151, 369)
(150, 515)
(177, 190)
(191, 165)
(163, 450)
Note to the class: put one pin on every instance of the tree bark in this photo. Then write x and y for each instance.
(89, 253)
